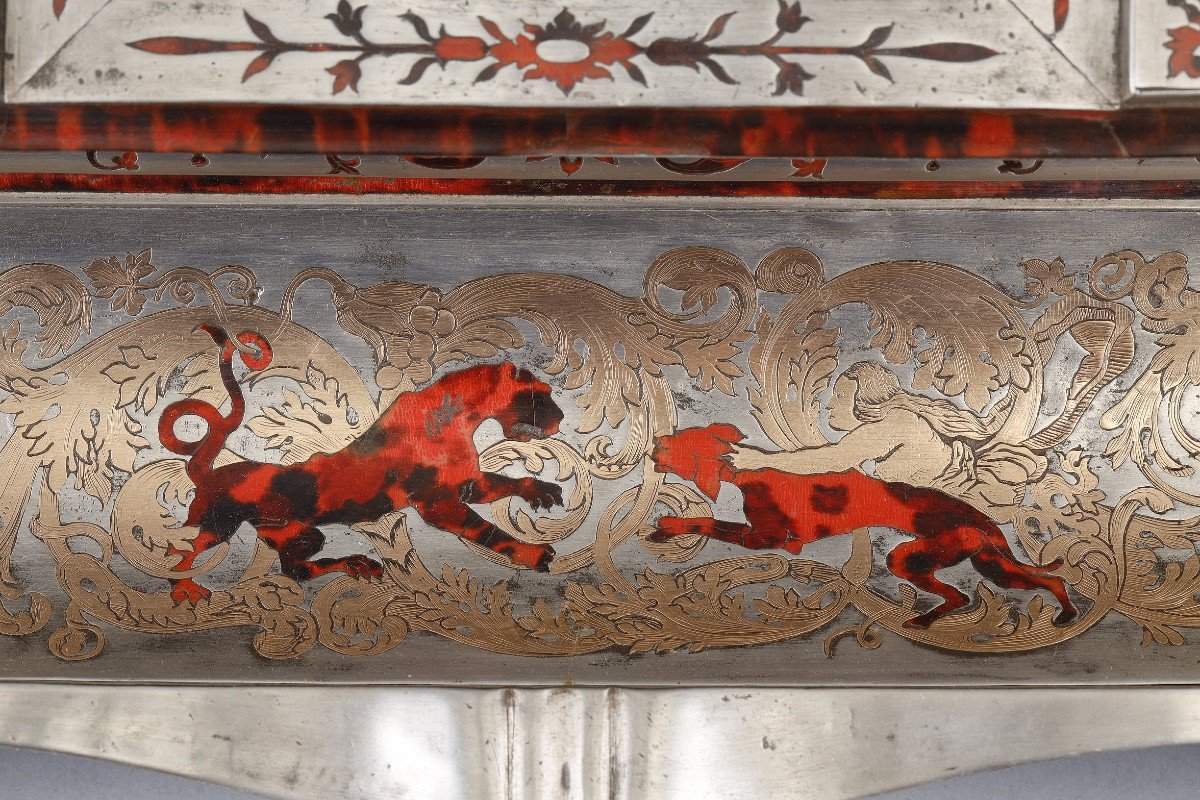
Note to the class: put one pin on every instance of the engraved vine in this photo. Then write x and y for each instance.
(980, 352)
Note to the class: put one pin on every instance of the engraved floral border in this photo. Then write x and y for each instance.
(605, 49)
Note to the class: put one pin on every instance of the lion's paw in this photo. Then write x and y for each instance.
(542, 494)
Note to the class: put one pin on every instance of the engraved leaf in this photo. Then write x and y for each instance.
(803, 363)
(493, 29)
(717, 27)
(1153, 632)
(1160, 292)
(120, 280)
(1087, 493)
(324, 424)
(603, 340)
(89, 441)
(91, 435)
(259, 29)
(711, 363)
(636, 26)
(260, 63)
(1061, 9)
(994, 614)
(136, 377)
(546, 623)
(56, 296)
(497, 599)
(974, 340)
(779, 601)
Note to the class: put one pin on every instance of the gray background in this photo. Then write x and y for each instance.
(1165, 773)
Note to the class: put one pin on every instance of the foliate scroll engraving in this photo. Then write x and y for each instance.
(942, 434)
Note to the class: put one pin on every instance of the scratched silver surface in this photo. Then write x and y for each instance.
(363, 743)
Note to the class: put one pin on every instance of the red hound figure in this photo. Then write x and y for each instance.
(785, 510)
(418, 453)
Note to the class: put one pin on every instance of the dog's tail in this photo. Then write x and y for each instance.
(1033, 575)
(997, 541)
(205, 450)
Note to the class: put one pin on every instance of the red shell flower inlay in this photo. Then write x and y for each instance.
(598, 49)
(603, 50)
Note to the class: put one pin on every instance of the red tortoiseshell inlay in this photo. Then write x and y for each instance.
(418, 453)
(459, 132)
(352, 186)
(786, 511)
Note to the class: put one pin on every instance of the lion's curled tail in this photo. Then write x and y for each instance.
(205, 450)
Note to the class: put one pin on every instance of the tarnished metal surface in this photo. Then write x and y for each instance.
(617, 744)
(1161, 39)
(1009, 383)
(1027, 54)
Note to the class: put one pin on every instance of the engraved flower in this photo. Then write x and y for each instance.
(691, 52)
(347, 19)
(791, 78)
(565, 68)
(1183, 44)
(346, 73)
(446, 48)
(1045, 278)
(118, 280)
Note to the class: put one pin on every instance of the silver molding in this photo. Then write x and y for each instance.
(317, 743)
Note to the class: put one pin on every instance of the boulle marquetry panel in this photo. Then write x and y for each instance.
(1033, 53)
(1161, 40)
(509, 442)
(491, 400)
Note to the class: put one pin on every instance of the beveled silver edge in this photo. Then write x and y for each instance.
(122, 200)
(347, 742)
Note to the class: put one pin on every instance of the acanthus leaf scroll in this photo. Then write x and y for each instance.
(955, 369)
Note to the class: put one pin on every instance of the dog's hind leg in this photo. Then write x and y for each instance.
(186, 590)
(916, 562)
(297, 543)
(997, 562)
(1012, 574)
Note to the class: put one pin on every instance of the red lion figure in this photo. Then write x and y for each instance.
(418, 453)
(785, 510)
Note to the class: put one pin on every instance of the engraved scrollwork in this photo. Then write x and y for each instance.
(271, 603)
(953, 369)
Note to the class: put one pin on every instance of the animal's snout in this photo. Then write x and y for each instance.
(534, 414)
(658, 455)
(546, 413)
(526, 431)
